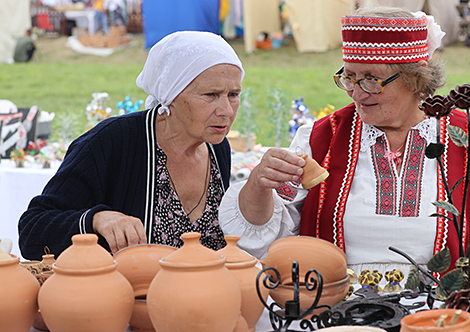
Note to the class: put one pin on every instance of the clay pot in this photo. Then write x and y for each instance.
(332, 294)
(48, 259)
(39, 323)
(310, 253)
(243, 267)
(242, 325)
(140, 319)
(313, 173)
(194, 291)
(425, 321)
(86, 292)
(140, 264)
(18, 293)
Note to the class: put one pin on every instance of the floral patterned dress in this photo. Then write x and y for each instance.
(170, 219)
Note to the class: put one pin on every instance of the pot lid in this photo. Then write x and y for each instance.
(192, 254)
(232, 253)
(84, 254)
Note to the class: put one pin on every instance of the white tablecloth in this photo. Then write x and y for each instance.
(17, 187)
(83, 18)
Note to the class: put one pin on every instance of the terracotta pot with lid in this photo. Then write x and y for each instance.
(18, 292)
(310, 253)
(194, 291)
(140, 264)
(243, 267)
(86, 292)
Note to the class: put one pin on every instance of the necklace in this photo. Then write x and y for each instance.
(205, 185)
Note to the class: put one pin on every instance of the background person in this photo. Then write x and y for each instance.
(148, 177)
(101, 16)
(24, 48)
(381, 185)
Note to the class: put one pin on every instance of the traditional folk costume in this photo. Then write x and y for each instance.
(365, 205)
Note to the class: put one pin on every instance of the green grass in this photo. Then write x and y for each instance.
(59, 80)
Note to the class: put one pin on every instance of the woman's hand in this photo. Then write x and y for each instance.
(277, 167)
(118, 229)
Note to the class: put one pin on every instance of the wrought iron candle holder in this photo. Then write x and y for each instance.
(369, 308)
(290, 311)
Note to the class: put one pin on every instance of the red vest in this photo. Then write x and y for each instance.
(335, 141)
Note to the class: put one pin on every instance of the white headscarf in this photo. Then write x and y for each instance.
(177, 59)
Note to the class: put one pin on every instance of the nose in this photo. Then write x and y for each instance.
(358, 93)
(225, 107)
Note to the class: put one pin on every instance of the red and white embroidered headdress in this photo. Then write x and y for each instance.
(384, 40)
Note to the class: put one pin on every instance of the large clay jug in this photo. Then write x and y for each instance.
(194, 291)
(86, 292)
(243, 267)
(18, 293)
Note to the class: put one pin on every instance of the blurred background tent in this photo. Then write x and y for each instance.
(15, 19)
(444, 11)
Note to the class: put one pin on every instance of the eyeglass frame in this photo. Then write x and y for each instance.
(382, 83)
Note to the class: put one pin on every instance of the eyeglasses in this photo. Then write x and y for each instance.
(369, 85)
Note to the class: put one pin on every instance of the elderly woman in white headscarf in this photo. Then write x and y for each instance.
(148, 177)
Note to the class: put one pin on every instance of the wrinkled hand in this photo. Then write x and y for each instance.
(118, 229)
(277, 166)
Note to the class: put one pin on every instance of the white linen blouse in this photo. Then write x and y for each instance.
(367, 234)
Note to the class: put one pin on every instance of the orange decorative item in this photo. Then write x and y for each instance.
(140, 264)
(425, 321)
(86, 292)
(243, 267)
(18, 292)
(310, 253)
(194, 291)
(313, 174)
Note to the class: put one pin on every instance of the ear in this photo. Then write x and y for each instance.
(423, 63)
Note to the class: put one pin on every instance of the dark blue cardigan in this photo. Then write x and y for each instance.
(111, 167)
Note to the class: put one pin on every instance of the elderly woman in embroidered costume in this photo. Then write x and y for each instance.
(381, 186)
(149, 176)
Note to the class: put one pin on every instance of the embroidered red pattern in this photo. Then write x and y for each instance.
(385, 179)
(287, 191)
(412, 176)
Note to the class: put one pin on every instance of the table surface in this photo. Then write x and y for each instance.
(17, 187)
(264, 324)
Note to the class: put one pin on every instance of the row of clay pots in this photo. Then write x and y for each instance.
(199, 281)
(194, 290)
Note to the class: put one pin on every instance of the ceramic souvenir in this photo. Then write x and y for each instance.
(18, 293)
(310, 253)
(86, 292)
(140, 264)
(313, 173)
(194, 291)
(243, 267)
